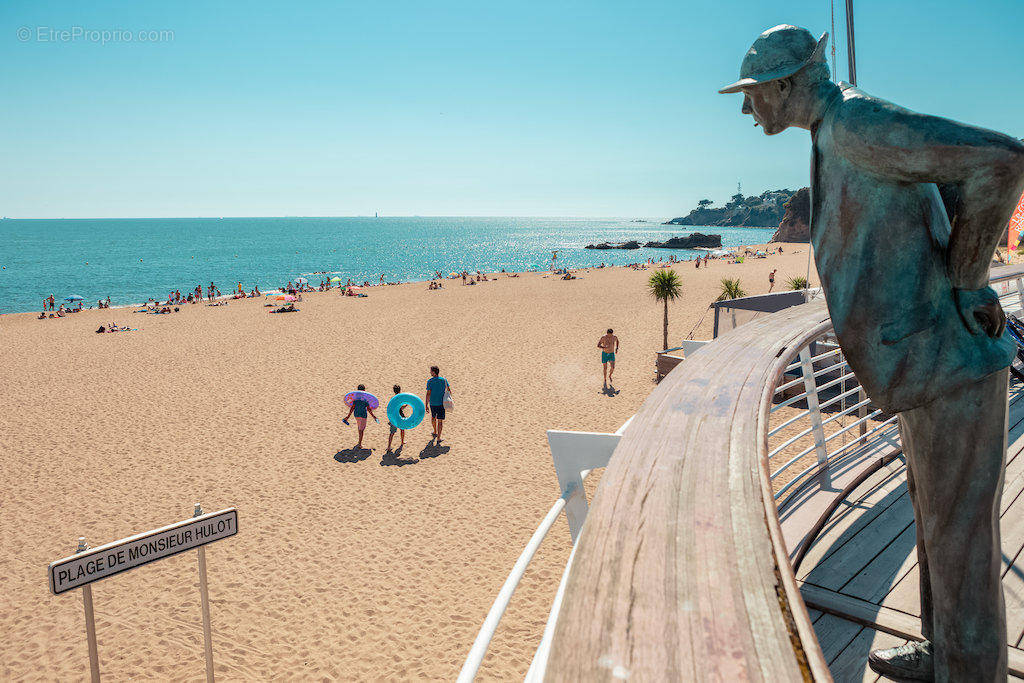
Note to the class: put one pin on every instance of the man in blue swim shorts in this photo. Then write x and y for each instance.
(609, 345)
(436, 388)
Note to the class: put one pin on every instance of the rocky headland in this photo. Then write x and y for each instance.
(631, 244)
(762, 211)
(691, 241)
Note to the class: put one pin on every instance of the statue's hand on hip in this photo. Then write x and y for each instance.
(980, 311)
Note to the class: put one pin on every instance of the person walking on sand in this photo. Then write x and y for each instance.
(609, 345)
(771, 280)
(360, 408)
(437, 387)
(401, 412)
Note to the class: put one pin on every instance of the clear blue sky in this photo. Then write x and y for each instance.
(588, 108)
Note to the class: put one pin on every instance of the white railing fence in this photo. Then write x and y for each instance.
(821, 419)
(575, 456)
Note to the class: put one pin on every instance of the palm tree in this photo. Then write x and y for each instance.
(665, 286)
(730, 289)
(796, 282)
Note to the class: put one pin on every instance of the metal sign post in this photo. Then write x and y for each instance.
(92, 564)
(90, 623)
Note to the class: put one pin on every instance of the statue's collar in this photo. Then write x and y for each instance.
(829, 101)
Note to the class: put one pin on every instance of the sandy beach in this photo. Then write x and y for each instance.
(346, 566)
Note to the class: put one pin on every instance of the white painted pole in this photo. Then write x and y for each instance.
(817, 428)
(851, 51)
(204, 594)
(90, 623)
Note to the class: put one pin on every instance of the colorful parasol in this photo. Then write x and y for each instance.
(1016, 226)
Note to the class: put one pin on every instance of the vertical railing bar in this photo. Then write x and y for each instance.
(862, 412)
(811, 388)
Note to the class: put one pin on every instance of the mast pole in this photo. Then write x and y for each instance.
(851, 51)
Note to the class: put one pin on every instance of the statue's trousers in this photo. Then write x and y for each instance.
(955, 448)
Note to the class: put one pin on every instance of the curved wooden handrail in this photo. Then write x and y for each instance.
(681, 572)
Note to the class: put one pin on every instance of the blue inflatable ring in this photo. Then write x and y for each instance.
(395, 406)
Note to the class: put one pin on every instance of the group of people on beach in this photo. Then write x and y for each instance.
(62, 310)
(59, 313)
(438, 391)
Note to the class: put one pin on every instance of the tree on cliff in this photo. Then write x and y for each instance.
(665, 286)
(764, 210)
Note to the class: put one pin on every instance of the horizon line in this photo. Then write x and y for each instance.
(416, 215)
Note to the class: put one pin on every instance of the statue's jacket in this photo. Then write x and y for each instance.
(880, 248)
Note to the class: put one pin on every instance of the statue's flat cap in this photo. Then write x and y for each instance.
(778, 53)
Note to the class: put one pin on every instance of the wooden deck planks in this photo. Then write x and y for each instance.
(863, 612)
(860, 553)
(852, 663)
(834, 635)
(798, 518)
(884, 489)
(876, 512)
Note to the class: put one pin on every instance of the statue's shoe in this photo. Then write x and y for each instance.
(910, 662)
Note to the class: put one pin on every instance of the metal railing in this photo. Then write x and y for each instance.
(575, 456)
(821, 418)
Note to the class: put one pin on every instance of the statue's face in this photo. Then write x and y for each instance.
(766, 103)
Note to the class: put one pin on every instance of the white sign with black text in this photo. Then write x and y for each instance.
(113, 558)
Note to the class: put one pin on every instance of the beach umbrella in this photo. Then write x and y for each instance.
(284, 297)
(1016, 227)
(301, 280)
(335, 279)
(73, 297)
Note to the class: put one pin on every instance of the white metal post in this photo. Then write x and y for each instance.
(90, 623)
(862, 411)
(204, 595)
(572, 454)
(817, 430)
(1020, 293)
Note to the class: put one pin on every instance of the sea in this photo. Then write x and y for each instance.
(134, 259)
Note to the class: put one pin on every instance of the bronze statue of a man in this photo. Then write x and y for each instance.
(906, 211)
